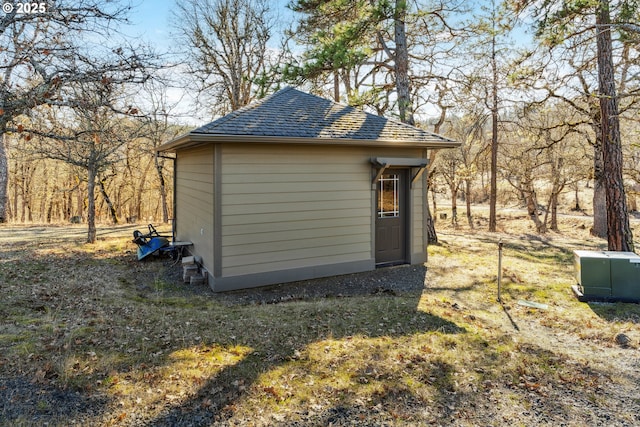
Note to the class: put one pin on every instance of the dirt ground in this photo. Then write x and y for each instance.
(91, 336)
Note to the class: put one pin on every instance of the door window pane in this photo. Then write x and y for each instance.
(388, 187)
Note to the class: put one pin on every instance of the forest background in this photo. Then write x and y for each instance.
(544, 98)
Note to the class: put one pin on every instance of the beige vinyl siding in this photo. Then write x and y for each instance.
(288, 207)
(195, 200)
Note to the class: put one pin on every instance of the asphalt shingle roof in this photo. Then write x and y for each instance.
(290, 113)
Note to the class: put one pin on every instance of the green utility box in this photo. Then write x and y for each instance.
(607, 275)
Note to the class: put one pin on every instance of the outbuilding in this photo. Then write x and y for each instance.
(295, 187)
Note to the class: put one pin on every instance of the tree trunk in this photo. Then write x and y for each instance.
(403, 84)
(493, 192)
(558, 185)
(51, 204)
(140, 190)
(403, 88)
(16, 191)
(532, 208)
(545, 219)
(454, 204)
(4, 179)
(45, 193)
(23, 209)
(467, 198)
(91, 208)
(107, 199)
(163, 189)
(619, 234)
(554, 211)
(435, 204)
(30, 171)
(430, 228)
(432, 236)
(69, 203)
(576, 190)
(599, 194)
(80, 199)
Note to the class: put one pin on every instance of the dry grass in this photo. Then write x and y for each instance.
(89, 336)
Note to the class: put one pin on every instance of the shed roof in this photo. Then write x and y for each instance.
(292, 116)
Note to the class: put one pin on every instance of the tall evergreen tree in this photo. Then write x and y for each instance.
(602, 18)
(367, 47)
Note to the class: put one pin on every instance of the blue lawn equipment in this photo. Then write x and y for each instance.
(149, 243)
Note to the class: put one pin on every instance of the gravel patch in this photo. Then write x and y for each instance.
(388, 280)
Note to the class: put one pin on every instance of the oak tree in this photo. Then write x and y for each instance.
(227, 48)
(46, 52)
(89, 135)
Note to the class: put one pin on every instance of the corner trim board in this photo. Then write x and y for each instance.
(217, 210)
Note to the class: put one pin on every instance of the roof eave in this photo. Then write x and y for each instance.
(175, 143)
(195, 139)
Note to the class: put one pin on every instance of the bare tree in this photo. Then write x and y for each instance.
(89, 136)
(544, 155)
(46, 51)
(470, 131)
(159, 129)
(227, 47)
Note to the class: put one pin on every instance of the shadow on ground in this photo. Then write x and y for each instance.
(392, 293)
(617, 312)
(275, 325)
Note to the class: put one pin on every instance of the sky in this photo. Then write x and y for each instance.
(152, 19)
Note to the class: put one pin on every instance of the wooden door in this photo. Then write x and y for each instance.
(391, 218)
